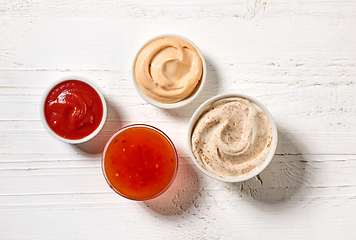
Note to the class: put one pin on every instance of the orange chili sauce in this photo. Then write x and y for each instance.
(139, 163)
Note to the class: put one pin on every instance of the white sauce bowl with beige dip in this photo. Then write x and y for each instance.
(169, 71)
(232, 137)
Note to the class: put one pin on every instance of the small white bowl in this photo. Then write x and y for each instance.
(90, 83)
(197, 114)
(183, 102)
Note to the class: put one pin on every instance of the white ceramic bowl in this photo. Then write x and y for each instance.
(90, 83)
(183, 102)
(196, 116)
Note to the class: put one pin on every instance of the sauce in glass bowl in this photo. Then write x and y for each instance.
(139, 162)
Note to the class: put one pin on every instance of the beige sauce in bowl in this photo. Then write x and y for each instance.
(232, 137)
(168, 69)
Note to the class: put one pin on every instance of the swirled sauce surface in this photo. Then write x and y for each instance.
(73, 109)
(232, 137)
(168, 69)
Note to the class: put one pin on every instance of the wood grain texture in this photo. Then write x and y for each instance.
(297, 57)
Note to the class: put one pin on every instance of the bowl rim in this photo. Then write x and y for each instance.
(197, 114)
(183, 102)
(81, 79)
(121, 130)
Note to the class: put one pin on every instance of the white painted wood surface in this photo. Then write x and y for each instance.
(297, 57)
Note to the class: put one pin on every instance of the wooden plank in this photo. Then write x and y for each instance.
(298, 58)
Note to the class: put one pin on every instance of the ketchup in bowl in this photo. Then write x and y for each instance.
(139, 162)
(74, 110)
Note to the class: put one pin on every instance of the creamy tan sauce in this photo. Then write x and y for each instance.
(232, 137)
(168, 69)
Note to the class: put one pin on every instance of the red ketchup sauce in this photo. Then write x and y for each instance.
(73, 109)
(139, 163)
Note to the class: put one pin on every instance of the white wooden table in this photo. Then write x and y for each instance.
(297, 57)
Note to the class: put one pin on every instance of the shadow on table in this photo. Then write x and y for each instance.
(182, 193)
(210, 89)
(112, 125)
(282, 179)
